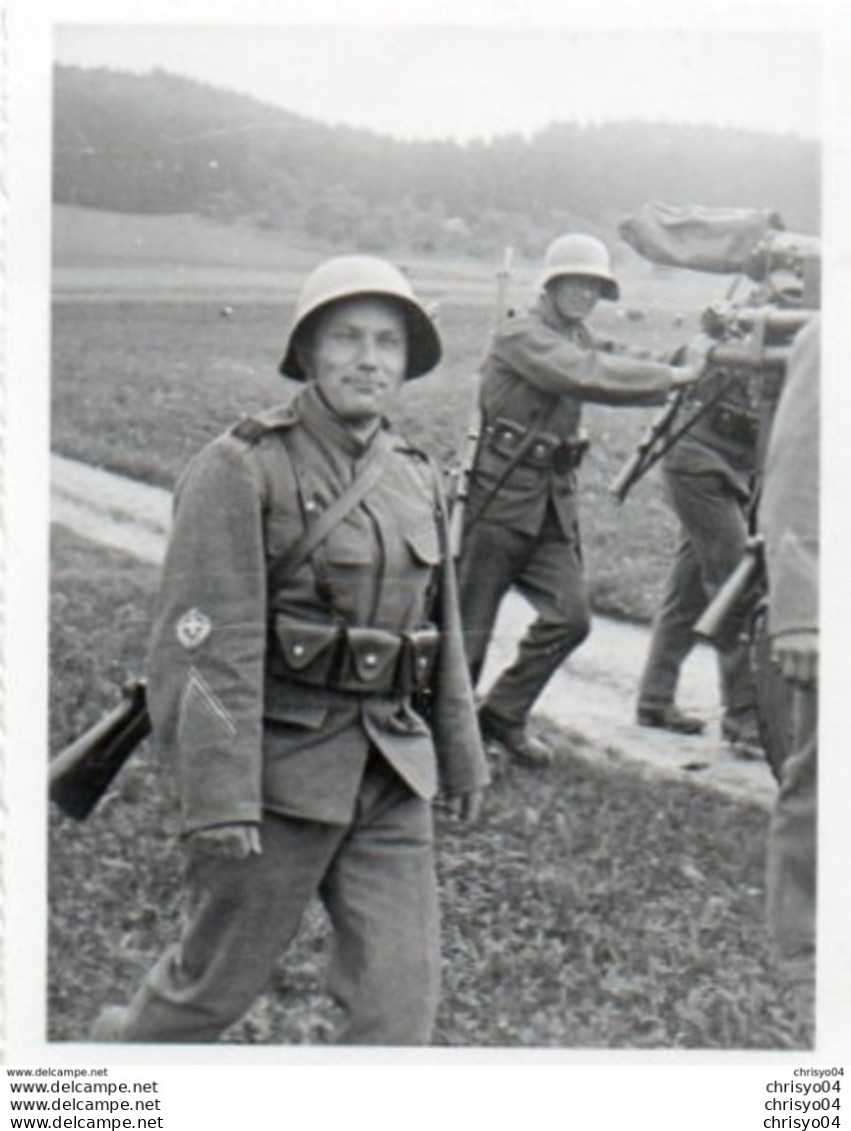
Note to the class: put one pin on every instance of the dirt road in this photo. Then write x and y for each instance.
(592, 695)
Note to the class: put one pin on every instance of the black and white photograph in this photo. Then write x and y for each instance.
(432, 435)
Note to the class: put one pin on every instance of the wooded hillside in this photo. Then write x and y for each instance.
(159, 143)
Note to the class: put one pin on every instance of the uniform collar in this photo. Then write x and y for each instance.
(546, 310)
(324, 424)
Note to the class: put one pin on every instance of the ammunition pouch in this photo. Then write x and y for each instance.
(548, 453)
(727, 421)
(353, 659)
(369, 658)
(417, 659)
(735, 424)
(308, 651)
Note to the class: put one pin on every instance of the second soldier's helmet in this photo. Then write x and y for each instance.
(579, 254)
(362, 276)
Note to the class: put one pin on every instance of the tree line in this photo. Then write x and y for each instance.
(160, 143)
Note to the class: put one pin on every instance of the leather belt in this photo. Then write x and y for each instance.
(548, 452)
(735, 424)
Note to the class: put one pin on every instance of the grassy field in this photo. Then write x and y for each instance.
(587, 909)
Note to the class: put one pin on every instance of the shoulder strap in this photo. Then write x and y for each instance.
(318, 531)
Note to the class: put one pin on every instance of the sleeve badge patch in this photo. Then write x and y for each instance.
(193, 628)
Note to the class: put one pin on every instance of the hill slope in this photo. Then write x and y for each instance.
(160, 143)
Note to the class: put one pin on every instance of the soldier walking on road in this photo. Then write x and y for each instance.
(307, 610)
(710, 476)
(520, 525)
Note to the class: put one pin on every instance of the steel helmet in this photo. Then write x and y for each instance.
(578, 254)
(362, 276)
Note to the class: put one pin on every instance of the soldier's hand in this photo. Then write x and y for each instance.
(796, 654)
(224, 842)
(695, 358)
(465, 806)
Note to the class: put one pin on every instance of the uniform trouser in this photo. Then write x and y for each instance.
(547, 570)
(376, 879)
(712, 542)
(791, 867)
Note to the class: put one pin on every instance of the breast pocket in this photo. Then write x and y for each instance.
(416, 572)
(349, 545)
(346, 566)
(282, 532)
(424, 545)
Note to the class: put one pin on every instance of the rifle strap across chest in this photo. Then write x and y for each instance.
(284, 567)
(531, 438)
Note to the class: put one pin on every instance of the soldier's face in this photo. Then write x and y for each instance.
(358, 357)
(575, 296)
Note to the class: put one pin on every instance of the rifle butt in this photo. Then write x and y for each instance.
(79, 775)
(722, 619)
(622, 483)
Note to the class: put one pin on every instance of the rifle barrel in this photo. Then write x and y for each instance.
(620, 485)
(746, 317)
(727, 601)
(743, 357)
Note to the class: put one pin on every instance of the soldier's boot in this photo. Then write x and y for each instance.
(515, 738)
(667, 716)
(109, 1025)
(740, 730)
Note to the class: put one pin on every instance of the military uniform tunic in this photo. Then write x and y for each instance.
(262, 730)
(538, 373)
(245, 732)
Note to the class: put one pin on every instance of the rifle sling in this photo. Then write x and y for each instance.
(654, 454)
(528, 443)
(318, 531)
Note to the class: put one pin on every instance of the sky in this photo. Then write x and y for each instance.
(478, 81)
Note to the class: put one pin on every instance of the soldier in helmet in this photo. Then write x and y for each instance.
(520, 525)
(710, 477)
(306, 611)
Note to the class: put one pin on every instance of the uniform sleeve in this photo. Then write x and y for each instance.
(460, 753)
(789, 505)
(559, 367)
(793, 571)
(205, 665)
